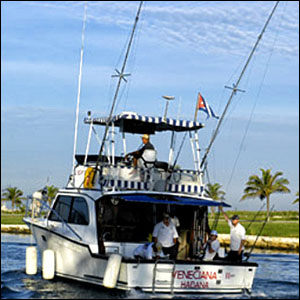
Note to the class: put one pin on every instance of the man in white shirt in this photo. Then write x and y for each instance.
(212, 246)
(237, 237)
(165, 233)
(149, 251)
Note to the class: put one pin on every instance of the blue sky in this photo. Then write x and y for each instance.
(181, 48)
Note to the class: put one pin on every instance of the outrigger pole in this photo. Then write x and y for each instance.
(235, 87)
(121, 76)
(79, 86)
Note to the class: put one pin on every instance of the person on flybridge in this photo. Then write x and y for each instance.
(138, 153)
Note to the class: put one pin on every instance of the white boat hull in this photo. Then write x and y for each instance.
(75, 260)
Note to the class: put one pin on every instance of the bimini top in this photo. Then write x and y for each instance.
(133, 123)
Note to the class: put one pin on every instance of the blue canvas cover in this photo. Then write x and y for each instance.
(175, 200)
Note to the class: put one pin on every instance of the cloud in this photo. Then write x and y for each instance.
(221, 27)
(58, 76)
(40, 62)
(31, 116)
(40, 116)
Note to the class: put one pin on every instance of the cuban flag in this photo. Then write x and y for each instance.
(203, 105)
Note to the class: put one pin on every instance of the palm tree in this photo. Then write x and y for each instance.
(14, 195)
(51, 193)
(214, 192)
(297, 199)
(265, 186)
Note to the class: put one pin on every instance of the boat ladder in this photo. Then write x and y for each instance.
(160, 267)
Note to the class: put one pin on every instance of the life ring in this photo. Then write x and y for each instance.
(89, 178)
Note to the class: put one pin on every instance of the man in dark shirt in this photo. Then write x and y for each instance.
(138, 153)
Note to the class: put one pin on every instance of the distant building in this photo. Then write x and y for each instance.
(3, 207)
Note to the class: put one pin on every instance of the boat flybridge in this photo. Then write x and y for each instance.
(109, 208)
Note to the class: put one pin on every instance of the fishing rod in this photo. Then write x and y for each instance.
(179, 150)
(216, 220)
(261, 229)
(121, 76)
(235, 87)
(171, 169)
(255, 216)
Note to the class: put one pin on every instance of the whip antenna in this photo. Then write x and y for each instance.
(79, 86)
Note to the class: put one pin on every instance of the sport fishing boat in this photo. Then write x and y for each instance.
(90, 224)
(109, 207)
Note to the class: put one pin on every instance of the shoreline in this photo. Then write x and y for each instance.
(263, 242)
(17, 229)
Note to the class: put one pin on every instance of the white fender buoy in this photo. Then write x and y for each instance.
(31, 260)
(48, 264)
(112, 271)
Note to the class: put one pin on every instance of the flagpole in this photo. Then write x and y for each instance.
(196, 110)
(235, 86)
(196, 154)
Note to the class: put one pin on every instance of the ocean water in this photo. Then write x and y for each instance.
(277, 277)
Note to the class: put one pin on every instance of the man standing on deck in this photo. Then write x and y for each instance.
(165, 233)
(237, 237)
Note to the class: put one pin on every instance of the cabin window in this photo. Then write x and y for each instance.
(79, 212)
(123, 222)
(73, 210)
(62, 209)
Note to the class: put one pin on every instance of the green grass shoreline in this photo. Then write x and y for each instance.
(281, 224)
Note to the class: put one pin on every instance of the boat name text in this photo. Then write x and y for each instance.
(195, 274)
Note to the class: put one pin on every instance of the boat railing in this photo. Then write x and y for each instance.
(158, 177)
(121, 176)
(38, 209)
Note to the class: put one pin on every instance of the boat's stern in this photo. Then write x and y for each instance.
(165, 276)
